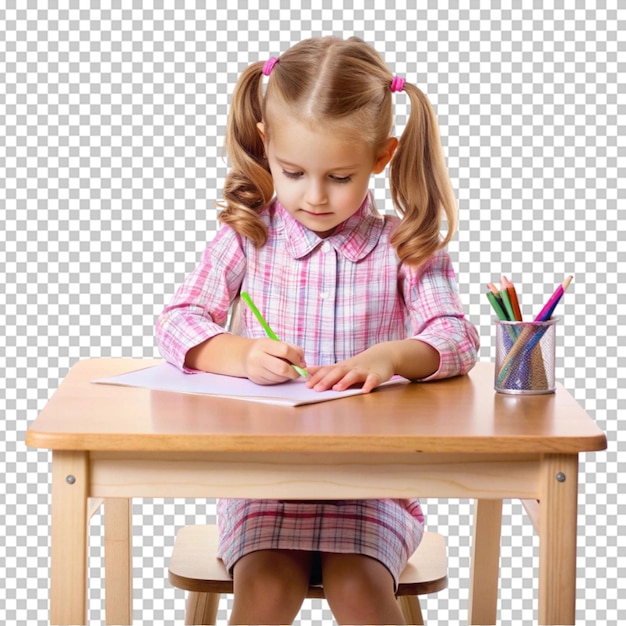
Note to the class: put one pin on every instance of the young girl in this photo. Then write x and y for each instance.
(355, 296)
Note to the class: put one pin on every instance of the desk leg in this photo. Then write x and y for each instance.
(557, 539)
(68, 552)
(485, 571)
(118, 560)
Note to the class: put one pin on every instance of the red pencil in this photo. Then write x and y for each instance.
(510, 289)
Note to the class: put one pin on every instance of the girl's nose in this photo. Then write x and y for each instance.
(316, 194)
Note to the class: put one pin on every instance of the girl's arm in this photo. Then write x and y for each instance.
(444, 343)
(190, 332)
(199, 309)
(409, 358)
(263, 361)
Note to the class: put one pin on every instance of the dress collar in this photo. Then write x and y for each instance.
(354, 239)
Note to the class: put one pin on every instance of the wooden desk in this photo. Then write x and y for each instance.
(450, 439)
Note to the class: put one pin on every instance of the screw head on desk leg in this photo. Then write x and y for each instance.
(560, 477)
(70, 479)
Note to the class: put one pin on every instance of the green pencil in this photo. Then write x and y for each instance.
(495, 303)
(508, 305)
(267, 328)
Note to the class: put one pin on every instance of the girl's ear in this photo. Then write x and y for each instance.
(261, 128)
(385, 154)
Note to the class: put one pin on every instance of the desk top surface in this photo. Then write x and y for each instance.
(460, 415)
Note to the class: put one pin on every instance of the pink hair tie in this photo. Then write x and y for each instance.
(397, 84)
(269, 65)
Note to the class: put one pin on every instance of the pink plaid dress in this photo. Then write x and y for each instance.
(334, 298)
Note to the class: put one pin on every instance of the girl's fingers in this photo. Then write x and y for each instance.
(270, 362)
(340, 378)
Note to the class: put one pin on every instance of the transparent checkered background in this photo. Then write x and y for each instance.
(111, 128)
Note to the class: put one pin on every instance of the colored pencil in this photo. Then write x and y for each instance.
(546, 313)
(493, 289)
(510, 288)
(267, 328)
(529, 338)
(504, 295)
(496, 303)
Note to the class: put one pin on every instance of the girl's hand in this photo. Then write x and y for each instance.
(410, 358)
(268, 362)
(370, 368)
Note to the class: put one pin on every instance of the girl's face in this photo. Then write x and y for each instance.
(319, 177)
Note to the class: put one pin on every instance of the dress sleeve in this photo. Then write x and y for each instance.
(200, 306)
(437, 317)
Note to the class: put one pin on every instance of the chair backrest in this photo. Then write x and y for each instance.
(234, 324)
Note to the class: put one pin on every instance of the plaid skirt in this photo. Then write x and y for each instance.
(386, 530)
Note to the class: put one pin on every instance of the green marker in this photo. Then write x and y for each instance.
(266, 327)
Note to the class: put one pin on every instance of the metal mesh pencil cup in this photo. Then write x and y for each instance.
(525, 357)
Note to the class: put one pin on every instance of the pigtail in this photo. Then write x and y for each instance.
(347, 86)
(248, 186)
(420, 185)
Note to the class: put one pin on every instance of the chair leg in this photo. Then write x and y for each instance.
(201, 608)
(411, 610)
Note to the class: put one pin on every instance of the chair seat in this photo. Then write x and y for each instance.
(194, 566)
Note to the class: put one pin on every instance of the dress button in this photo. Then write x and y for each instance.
(326, 247)
(324, 295)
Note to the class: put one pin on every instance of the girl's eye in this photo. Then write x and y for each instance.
(294, 175)
(336, 179)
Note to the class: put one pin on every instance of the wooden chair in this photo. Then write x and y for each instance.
(194, 567)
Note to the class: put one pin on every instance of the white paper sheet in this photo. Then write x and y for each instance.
(166, 377)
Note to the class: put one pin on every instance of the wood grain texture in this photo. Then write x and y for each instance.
(68, 558)
(194, 565)
(557, 540)
(452, 438)
(118, 561)
(453, 415)
(485, 567)
(325, 476)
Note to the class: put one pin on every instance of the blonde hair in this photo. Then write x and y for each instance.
(345, 86)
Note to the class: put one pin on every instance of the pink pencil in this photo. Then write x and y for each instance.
(548, 309)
